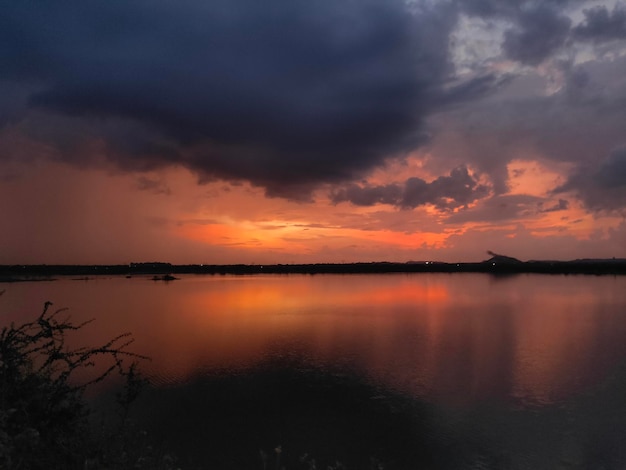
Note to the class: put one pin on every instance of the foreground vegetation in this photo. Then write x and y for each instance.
(289, 413)
(45, 422)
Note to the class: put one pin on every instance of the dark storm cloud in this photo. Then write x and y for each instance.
(601, 187)
(505, 8)
(369, 195)
(471, 89)
(488, 8)
(600, 25)
(457, 189)
(612, 173)
(537, 34)
(284, 93)
(498, 209)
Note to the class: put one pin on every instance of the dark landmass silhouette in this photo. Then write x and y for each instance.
(497, 264)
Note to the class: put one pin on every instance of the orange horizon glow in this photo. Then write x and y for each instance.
(106, 220)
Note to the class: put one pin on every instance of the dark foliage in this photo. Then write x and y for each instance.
(44, 418)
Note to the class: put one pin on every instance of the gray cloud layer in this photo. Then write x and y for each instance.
(601, 186)
(600, 25)
(537, 34)
(284, 93)
(457, 189)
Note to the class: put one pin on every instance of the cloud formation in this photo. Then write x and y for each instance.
(537, 34)
(600, 25)
(458, 189)
(499, 209)
(561, 205)
(601, 187)
(286, 94)
(290, 95)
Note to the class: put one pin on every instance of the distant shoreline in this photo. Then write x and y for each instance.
(17, 273)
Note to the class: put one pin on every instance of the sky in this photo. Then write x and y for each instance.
(293, 131)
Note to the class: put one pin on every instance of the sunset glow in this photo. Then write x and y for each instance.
(435, 132)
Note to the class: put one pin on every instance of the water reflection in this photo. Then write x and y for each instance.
(457, 339)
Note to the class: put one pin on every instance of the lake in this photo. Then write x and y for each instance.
(398, 370)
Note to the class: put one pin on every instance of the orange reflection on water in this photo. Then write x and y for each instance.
(240, 320)
(456, 338)
(557, 347)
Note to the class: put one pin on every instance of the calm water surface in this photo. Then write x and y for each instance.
(532, 363)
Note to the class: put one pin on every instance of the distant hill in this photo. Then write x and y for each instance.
(501, 259)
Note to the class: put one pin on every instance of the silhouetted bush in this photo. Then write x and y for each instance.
(44, 418)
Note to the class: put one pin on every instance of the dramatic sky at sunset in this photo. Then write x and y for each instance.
(288, 131)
